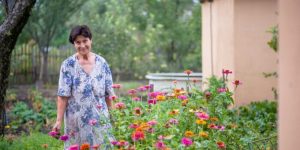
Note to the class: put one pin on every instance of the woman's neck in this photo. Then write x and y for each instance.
(84, 57)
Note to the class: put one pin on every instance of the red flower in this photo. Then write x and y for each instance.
(237, 82)
(137, 135)
(188, 72)
(221, 145)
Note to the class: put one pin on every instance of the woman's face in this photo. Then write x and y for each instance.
(82, 45)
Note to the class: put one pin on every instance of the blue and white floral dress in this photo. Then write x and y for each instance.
(86, 102)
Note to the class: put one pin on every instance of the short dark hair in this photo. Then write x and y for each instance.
(83, 30)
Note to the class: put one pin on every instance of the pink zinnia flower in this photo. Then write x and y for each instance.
(116, 86)
(182, 97)
(160, 137)
(221, 90)
(152, 122)
(74, 147)
(160, 145)
(151, 130)
(132, 92)
(202, 115)
(154, 94)
(122, 143)
(120, 105)
(93, 122)
(152, 101)
(186, 141)
(142, 89)
(133, 126)
(136, 99)
(113, 97)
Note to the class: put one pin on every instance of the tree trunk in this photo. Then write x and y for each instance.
(18, 13)
(43, 75)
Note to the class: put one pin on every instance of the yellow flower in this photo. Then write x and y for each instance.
(203, 134)
(7, 126)
(200, 121)
(160, 97)
(191, 110)
(174, 112)
(184, 102)
(189, 133)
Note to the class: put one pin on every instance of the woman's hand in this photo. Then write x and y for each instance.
(57, 126)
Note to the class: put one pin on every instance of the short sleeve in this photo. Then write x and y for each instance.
(64, 82)
(109, 91)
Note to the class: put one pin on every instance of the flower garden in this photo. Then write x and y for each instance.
(180, 119)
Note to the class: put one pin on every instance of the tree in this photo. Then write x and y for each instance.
(48, 21)
(17, 14)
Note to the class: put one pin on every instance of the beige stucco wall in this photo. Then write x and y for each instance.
(240, 44)
(289, 74)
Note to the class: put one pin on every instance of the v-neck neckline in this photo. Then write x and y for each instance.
(82, 69)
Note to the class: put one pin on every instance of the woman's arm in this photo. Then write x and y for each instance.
(61, 108)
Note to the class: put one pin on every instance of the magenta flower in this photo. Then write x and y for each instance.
(152, 101)
(202, 115)
(154, 94)
(226, 72)
(53, 134)
(136, 99)
(160, 145)
(147, 87)
(221, 128)
(93, 122)
(122, 143)
(114, 142)
(64, 137)
(74, 147)
(186, 141)
(221, 90)
(182, 97)
(120, 105)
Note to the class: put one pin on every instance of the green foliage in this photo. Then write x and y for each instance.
(36, 117)
(273, 43)
(138, 37)
(34, 141)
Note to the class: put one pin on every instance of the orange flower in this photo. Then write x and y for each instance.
(160, 97)
(214, 119)
(174, 112)
(203, 134)
(184, 102)
(143, 127)
(85, 146)
(188, 72)
(189, 133)
(200, 121)
(45, 146)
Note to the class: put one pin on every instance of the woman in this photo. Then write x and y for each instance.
(85, 83)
